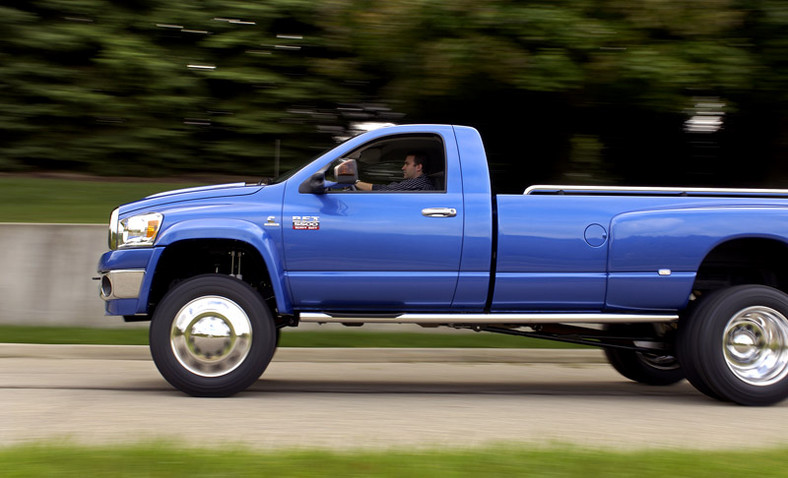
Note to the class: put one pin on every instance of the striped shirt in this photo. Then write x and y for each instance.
(421, 183)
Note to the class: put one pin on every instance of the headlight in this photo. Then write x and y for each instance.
(113, 229)
(134, 231)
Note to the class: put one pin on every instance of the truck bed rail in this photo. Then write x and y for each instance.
(653, 191)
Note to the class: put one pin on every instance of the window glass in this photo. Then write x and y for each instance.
(380, 162)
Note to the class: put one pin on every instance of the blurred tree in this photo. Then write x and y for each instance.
(159, 88)
(147, 88)
(80, 84)
(533, 75)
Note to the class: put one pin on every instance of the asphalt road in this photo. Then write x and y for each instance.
(369, 399)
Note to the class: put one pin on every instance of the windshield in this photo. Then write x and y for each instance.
(287, 175)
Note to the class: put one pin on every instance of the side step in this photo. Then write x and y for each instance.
(437, 319)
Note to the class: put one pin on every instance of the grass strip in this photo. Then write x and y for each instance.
(48, 200)
(161, 459)
(289, 338)
(22, 334)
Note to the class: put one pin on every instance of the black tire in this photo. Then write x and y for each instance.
(685, 347)
(736, 344)
(212, 336)
(639, 367)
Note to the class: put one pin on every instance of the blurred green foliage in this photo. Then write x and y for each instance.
(154, 88)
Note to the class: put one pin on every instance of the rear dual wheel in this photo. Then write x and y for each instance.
(212, 336)
(734, 346)
(643, 367)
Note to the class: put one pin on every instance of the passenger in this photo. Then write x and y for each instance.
(414, 177)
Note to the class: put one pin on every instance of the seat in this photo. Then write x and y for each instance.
(438, 180)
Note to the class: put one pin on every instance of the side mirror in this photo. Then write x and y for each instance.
(316, 184)
(346, 172)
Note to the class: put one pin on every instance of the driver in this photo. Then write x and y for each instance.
(414, 178)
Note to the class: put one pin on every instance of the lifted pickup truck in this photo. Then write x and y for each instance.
(672, 283)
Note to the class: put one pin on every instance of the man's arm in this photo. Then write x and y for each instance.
(421, 183)
(363, 186)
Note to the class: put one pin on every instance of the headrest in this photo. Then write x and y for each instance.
(371, 155)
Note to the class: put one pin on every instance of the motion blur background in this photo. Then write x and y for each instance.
(653, 92)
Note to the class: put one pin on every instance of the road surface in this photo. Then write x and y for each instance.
(315, 399)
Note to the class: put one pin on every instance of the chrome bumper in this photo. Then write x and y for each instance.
(121, 284)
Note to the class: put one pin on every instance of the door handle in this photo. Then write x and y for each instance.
(439, 212)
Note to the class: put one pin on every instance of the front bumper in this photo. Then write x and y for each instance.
(126, 277)
(121, 284)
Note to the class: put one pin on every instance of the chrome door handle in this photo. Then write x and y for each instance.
(439, 212)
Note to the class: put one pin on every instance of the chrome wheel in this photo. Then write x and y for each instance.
(755, 343)
(211, 336)
(734, 345)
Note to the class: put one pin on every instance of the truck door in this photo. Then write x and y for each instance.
(378, 250)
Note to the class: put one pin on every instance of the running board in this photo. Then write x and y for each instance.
(350, 318)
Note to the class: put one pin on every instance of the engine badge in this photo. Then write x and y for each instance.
(306, 223)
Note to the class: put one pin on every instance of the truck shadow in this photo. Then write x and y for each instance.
(682, 390)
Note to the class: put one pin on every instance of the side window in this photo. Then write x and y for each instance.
(401, 163)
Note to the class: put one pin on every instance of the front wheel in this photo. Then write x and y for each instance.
(212, 336)
(736, 343)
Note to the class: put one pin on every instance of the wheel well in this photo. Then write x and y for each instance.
(744, 261)
(190, 258)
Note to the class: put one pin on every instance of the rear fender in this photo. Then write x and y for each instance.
(654, 256)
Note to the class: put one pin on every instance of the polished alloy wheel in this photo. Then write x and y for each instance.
(211, 336)
(755, 343)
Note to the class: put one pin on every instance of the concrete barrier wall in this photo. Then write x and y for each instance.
(47, 272)
(47, 275)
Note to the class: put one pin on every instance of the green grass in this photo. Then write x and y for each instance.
(46, 200)
(162, 459)
(289, 338)
(20, 334)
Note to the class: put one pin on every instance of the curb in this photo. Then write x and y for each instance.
(303, 354)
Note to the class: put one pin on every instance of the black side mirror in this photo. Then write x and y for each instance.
(316, 184)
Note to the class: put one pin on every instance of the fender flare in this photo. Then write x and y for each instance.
(238, 230)
(660, 250)
(680, 239)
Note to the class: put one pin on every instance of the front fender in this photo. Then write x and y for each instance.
(238, 230)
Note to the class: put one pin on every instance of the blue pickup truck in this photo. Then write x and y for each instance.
(672, 283)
